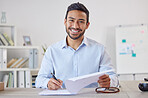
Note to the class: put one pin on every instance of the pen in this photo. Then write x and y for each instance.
(55, 78)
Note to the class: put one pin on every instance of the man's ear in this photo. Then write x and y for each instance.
(87, 25)
(65, 22)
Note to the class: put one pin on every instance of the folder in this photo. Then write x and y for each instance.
(3, 39)
(10, 82)
(27, 79)
(8, 39)
(13, 60)
(16, 63)
(20, 65)
(1, 42)
(21, 79)
(5, 80)
(3, 58)
(35, 60)
(31, 63)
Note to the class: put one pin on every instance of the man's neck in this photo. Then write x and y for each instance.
(74, 43)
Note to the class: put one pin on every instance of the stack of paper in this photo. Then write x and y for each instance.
(74, 85)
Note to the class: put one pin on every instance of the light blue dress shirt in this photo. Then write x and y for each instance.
(65, 62)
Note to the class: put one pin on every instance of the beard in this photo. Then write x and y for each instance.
(74, 38)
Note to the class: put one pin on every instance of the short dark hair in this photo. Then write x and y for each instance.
(78, 6)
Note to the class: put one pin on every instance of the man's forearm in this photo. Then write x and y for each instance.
(41, 82)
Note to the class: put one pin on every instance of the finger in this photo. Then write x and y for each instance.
(61, 82)
(55, 81)
(104, 80)
(52, 86)
(105, 84)
(103, 76)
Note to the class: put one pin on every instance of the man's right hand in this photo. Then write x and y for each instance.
(54, 84)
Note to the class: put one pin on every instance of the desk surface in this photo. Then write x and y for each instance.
(129, 89)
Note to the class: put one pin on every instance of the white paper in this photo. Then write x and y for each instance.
(55, 92)
(74, 85)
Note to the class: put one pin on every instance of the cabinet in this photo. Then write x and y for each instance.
(19, 73)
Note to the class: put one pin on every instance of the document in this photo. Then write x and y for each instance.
(47, 92)
(74, 85)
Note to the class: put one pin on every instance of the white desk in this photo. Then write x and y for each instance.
(128, 90)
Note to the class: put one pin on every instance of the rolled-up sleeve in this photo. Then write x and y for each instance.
(45, 70)
(105, 64)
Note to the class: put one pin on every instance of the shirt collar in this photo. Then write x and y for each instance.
(84, 42)
(64, 44)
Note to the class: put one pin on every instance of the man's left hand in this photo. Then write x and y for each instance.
(104, 81)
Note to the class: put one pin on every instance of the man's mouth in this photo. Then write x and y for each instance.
(75, 31)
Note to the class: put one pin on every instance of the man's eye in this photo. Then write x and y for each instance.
(71, 20)
(81, 21)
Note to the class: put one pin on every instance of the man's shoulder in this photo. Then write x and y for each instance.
(94, 43)
(57, 45)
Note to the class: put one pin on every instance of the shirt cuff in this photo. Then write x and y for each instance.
(45, 83)
(114, 82)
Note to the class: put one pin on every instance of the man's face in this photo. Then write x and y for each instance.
(76, 24)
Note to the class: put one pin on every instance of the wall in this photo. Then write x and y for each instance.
(43, 20)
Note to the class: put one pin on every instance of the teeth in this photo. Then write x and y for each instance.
(74, 31)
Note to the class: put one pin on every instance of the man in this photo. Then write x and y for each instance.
(76, 55)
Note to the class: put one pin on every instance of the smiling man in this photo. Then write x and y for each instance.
(76, 55)
(76, 24)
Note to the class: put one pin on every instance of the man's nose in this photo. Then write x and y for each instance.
(76, 25)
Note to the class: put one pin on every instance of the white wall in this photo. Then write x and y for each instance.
(43, 20)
